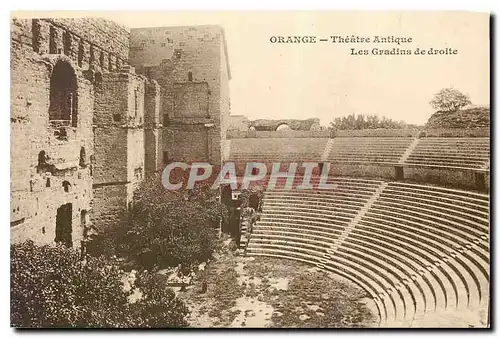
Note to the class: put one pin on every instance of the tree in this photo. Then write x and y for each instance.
(360, 122)
(168, 228)
(53, 287)
(449, 99)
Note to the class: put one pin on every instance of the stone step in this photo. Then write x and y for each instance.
(430, 214)
(420, 248)
(295, 210)
(466, 208)
(469, 195)
(435, 207)
(406, 214)
(451, 237)
(332, 231)
(317, 242)
(300, 218)
(404, 291)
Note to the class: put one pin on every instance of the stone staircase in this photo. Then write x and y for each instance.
(334, 247)
(326, 151)
(408, 151)
(420, 252)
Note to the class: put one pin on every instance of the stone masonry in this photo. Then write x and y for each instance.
(86, 128)
(191, 66)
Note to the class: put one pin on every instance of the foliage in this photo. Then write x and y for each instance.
(170, 228)
(158, 307)
(54, 287)
(360, 121)
(252, 196)
(449, 99)
(471, 118)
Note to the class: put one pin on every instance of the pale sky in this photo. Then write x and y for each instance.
(322, 80)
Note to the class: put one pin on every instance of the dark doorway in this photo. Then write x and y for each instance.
(480, 181)
(253, 201)
(63, 225)
(400, 175)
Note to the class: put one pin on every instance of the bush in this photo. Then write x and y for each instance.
(170, 228)
(53, 287)
(158, 307)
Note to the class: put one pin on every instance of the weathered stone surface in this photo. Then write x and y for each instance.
(114, 135)
(190, 64)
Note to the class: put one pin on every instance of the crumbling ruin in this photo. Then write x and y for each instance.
(96, 108)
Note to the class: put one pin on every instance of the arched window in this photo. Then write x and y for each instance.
(42, 158)
(66, 185)
(63, 95)
(42, 166)
(190, 76)
(83, 218)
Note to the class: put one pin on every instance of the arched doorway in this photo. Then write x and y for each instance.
(283, 126)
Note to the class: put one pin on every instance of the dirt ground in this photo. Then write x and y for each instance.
(266, 292)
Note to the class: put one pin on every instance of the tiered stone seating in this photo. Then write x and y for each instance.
(468, 153)
(304, 224)
(360, 150)
(415, 249)
(277, 149)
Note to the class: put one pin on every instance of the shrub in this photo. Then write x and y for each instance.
(170, 228)
(158, 307)
(54, 287)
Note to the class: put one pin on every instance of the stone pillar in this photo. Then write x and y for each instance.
(152, 142)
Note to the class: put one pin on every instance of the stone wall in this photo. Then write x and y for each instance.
(448, 177)
(363, 170)
(87, 166)
(442, 132)
(234, 134)
(50, 163)
(190, 64)
(119, 142)
(152, 132)
(237, 123)
(89, 42)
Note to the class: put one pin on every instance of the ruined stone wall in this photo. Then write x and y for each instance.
(152, 131)
(237, 123)
(191, 66)
(194, 140)
(447, 177)
(105, 35)
(89, 42)
(64, 176)
(119, 143)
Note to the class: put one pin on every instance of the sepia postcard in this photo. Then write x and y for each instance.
(251, 169)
